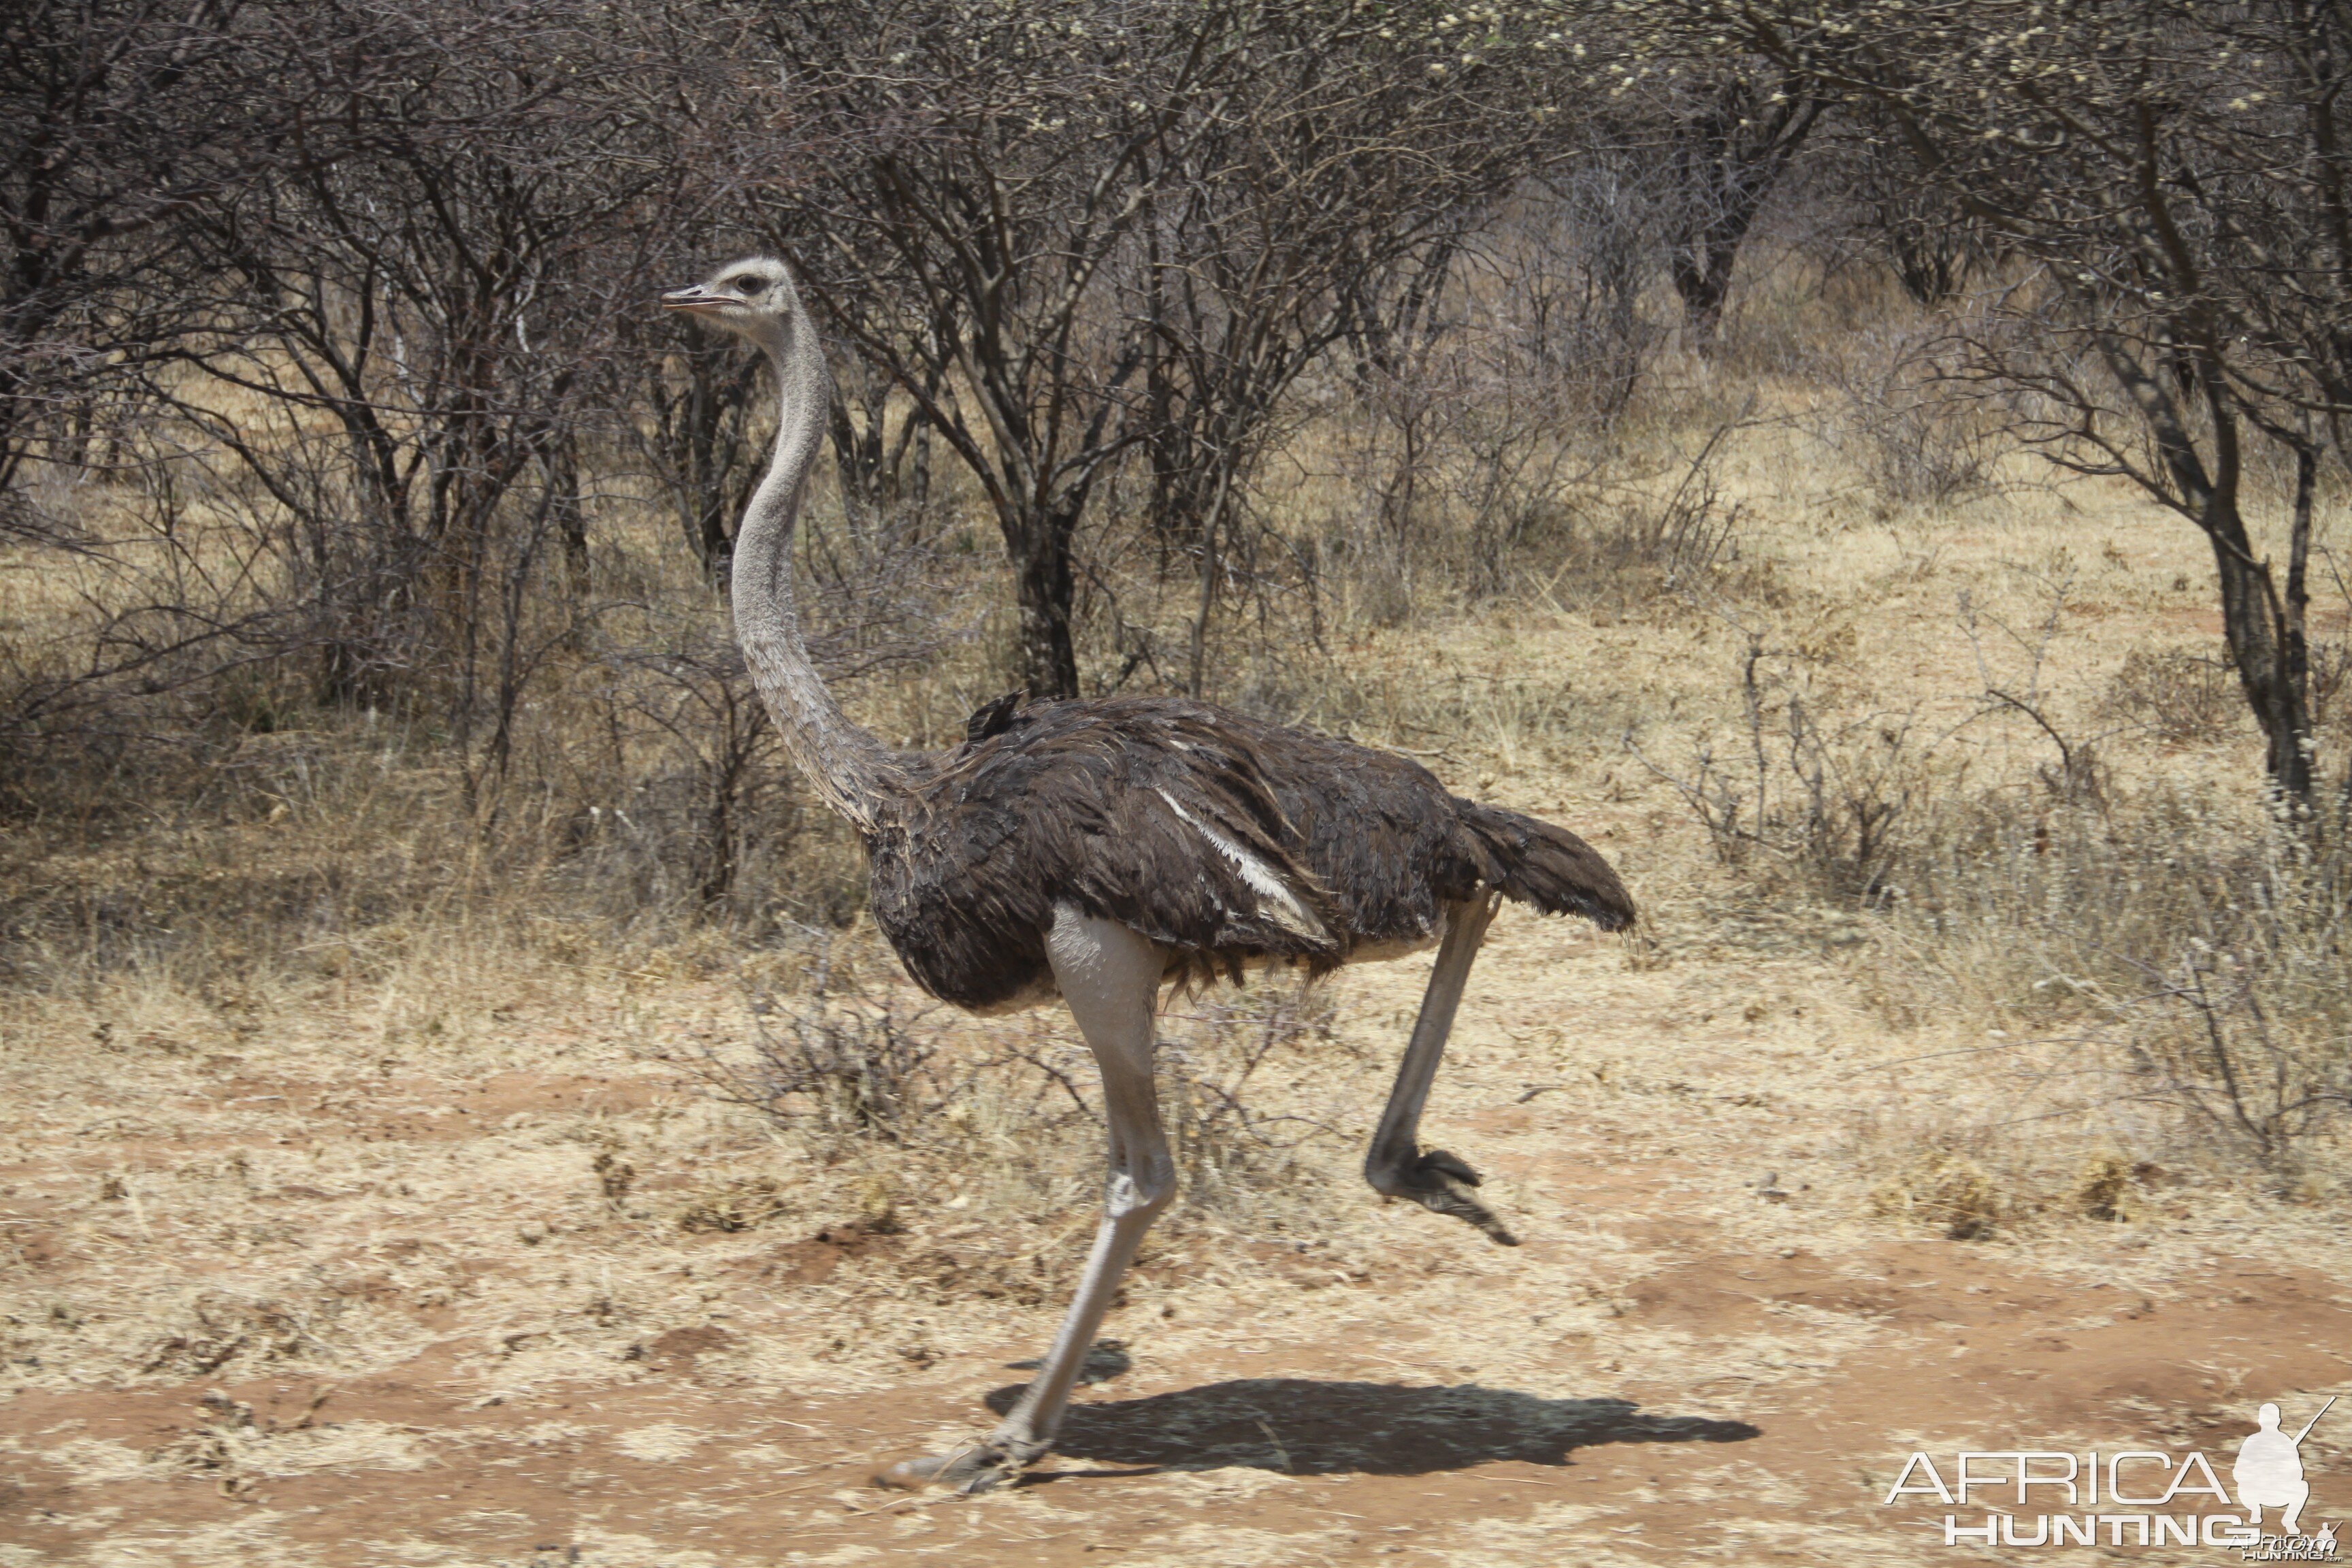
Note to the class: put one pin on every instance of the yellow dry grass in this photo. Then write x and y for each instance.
(430, 1243)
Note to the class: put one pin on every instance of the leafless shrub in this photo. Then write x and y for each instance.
(1831, 802)
(1485, 453)
(702, 436)
(123, 120)
(2013, 666)
(2165, 364)
(723, 799)
(1492, 457)
(2239, 1033)
(164, 639)
(1095, 236)
(1907, 422)
(1925, 236)
(1525, 380)
(1695, 529)
(1730, 130)
(849, 1067)
(2186, 699)
(1850, 802)
(1226, 1151)
(691, 801)
(352, 470)
(2198, 963)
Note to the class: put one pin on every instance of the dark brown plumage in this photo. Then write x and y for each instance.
(1226, 840)
(1099, 847)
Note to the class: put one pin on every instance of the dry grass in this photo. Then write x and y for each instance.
(308, 855)
(318, 1085)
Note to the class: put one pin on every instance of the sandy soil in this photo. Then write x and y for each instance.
(302, 1287)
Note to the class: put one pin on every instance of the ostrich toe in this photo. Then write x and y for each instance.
(1446, 1165)
(972, 1468)
(1442, 1182)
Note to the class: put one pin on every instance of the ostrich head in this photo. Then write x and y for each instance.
(752, 298)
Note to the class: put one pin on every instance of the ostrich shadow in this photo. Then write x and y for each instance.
(1309, 1426)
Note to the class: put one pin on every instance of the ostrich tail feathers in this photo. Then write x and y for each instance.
(1548, 866)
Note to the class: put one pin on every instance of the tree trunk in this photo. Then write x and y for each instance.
(862, 457)
(1727, 158)
(2265, 641)
(571, 522)
(2264, 633)
(1044, 588)
(1702, 275)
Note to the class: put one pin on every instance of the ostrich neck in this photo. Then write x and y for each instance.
(848, 766)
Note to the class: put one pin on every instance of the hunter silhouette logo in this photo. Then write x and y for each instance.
(2136, 1497)
(2269, 1471)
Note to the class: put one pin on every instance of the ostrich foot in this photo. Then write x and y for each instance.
(975, 1468)
(1441, 1182)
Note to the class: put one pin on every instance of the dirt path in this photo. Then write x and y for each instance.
(1323, 1449)
(1701, 1352)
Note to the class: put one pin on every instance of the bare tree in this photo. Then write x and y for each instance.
(1325, 179)
(1071, 228)
(118, 119)
(702, 400)
(994, 161)
(2176, 180)
(422, 331)
(1588, 245)
(1911, 226)
(1732, 127)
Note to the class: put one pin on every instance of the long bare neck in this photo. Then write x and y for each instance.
(848, 766)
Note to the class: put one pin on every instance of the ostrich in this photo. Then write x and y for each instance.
(1098, 849)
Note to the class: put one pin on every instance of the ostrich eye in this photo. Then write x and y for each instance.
(749, 283)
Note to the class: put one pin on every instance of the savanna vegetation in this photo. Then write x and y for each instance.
(354, 487)
(1876, 466)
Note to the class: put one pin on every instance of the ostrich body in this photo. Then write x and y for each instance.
(1095, 850)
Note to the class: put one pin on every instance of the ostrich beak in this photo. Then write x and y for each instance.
(696, 298)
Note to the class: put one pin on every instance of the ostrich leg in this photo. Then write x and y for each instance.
(1111, 978)
(1396, 1165)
